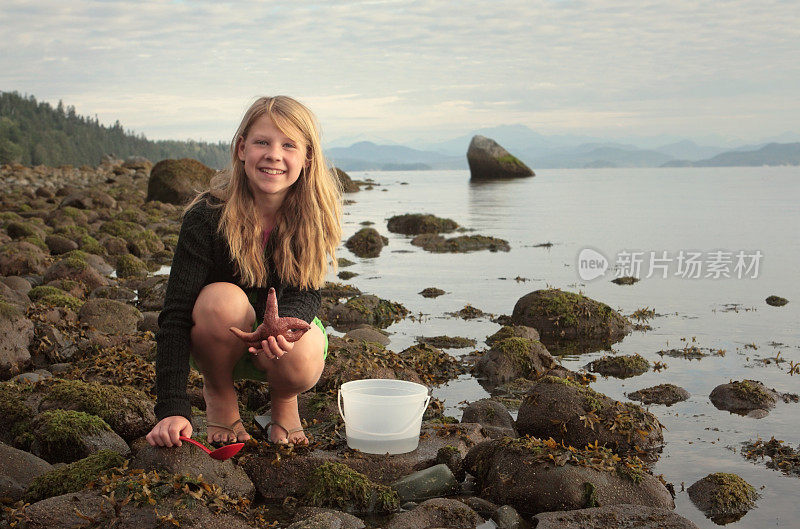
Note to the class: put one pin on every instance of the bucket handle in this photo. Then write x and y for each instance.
(413, 421)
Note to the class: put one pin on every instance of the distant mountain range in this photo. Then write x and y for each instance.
(560, 151)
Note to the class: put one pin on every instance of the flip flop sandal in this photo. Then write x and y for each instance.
(288, 433)
(231, 428)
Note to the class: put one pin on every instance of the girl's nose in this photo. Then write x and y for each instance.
(273, 153)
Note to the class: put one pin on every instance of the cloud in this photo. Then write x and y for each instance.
(187, 69)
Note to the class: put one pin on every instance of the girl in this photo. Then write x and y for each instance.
(271, 219)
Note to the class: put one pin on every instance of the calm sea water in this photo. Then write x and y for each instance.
(671, 210)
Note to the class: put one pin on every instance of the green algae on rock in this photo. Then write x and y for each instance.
(366, 243)
(417, 223)
(782, 456)
(431, 292)
(74, 476)
(129, 265)
(435, 243)
(447, 342)
(668, 394)
(59, 434)
(620, 366)
(15, 415)
(776, 301)
(723, 497)
(336, 485)
(560, 315)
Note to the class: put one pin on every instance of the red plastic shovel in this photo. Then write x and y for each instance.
(222, 453)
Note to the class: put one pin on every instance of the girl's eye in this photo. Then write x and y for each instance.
(289, 145)
(261, 142)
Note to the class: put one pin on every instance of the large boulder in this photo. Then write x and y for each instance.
(437, 512)
(190, 459)
(64, 436)
(365, 309)
(514, 358)
(559, 315)
(488, 160)
(22, 258)
(535, 476)
(177, 181)
(348, 185)
(75, 265)
(72, 477)
(578, 415)
(744, 396)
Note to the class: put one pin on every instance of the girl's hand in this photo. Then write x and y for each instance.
(273, 347)
(168, 429)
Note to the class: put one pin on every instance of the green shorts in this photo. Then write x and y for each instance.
(245, 369)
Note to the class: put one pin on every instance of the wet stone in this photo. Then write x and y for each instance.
(668, 394)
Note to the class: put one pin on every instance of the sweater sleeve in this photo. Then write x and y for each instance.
(191, 265)
(299, 303)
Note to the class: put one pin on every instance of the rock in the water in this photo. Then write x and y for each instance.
(620, 366)
(348, 185)
(417, 223)
(668, 394)
(366, 242)
(536, 476)
(776, 301)
(561, 315)
(432, 482)
(336, 485)
(488, 160)
(18, 469)
(743, 396)
(513, 331)
(514, 358)
(319, 518)
(628, 516)
(578, 415)
(16, 334)
(437, 512)
(723, 497)
(366, 309)
(433, 242)
(177, 181)
(431, 292)
(368, 333)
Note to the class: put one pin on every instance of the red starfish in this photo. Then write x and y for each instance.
(290, 328)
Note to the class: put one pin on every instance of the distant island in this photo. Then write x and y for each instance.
(33, 133)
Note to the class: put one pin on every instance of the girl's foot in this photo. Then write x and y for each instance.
(285, 426)
(222, 417)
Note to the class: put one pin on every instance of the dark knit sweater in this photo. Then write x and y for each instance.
(202, 257)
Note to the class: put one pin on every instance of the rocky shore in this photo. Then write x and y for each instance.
(81, 256)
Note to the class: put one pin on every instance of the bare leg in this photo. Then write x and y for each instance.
(288, 376)
(216, 351)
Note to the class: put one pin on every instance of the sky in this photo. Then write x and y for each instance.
(416, 70)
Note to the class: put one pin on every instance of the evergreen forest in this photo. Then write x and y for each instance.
(35, 133)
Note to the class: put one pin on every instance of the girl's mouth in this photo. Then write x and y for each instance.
(269, 171)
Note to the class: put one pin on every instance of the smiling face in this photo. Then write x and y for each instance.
(272, 160)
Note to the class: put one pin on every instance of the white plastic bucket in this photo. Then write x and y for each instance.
(382, 416)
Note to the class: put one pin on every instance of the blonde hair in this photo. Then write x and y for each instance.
(308, 223)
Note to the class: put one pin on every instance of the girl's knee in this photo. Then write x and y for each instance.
(223, 304)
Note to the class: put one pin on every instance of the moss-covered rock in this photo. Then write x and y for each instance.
(417, 223)
(15, 415)
(625, 280)
(366, 242)
(743, 396)
(488, 161)
(577, 415)
(514, 358)
(366, 309)
(74, 476)
(51, 296)
(512, 331)
(668, 394)
(431, 292)
(336, 485)
(435, 243)
(535, 475)
(75, 265)
(109, 316)
(620, 366)
(64, 436)
(20, 258)
(560, 315)
(781, 456)
(177, 181)
(128, 411)
(776, 301)
(447, 342)
(16, 334)
(129, 265)
(433, 365)
(348, 185)
(723, 497)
